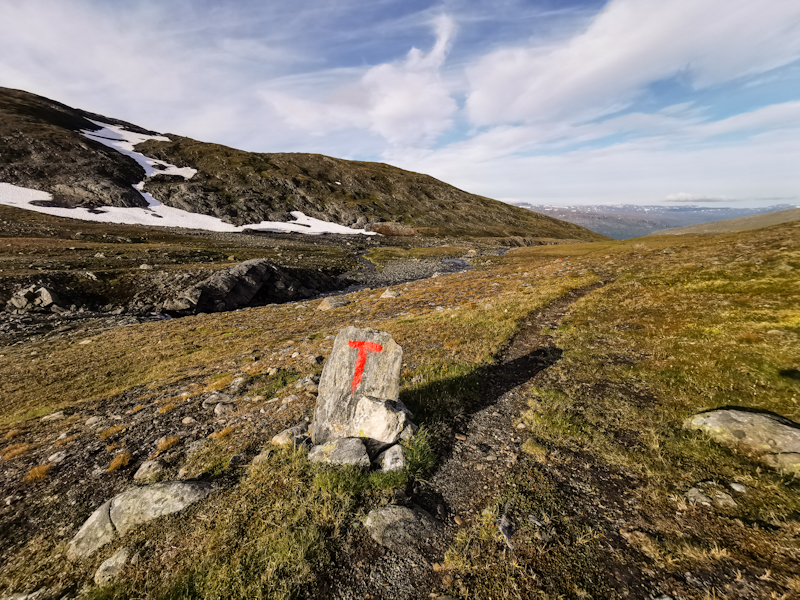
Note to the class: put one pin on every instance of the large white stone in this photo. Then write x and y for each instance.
(773, 438)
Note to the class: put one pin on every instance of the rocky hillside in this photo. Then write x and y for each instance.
(43, 149)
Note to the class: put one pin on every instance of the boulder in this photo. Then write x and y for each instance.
(400, 528)
(139, 505)
(239, 286)
(130, 508)
(342, 451)
(111, 568)
(96, 532)
(391, 459)
(32, 298)
(771, 437)
(363, 362)
(332, 302)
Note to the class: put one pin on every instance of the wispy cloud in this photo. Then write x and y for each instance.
(625, 100)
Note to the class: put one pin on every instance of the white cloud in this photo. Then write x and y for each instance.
(629, 45)
(406, 102)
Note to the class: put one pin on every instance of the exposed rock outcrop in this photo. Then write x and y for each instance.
(257, 281)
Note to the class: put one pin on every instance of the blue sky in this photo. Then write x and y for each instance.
(634, 101)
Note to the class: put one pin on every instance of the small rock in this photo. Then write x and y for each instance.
(145, 267)
(332, 302)
(262, 456)
(461, 438)
(738, 487)
(223, 408)
(341, 451)
(400, 528)
(237, 384)
(150, 471)
(188, 420)
(91, 421)
(215, 399)
(458, 520)
(56, 416)
(391, 459)
(389, 293)
(112, 567)
(57, 457)
(722, 500)
(296, 435)
(696, 496)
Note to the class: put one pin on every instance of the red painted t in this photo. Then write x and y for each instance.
(363, 348)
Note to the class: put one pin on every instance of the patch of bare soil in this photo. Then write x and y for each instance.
(484, 456)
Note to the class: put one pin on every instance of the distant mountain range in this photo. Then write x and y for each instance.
(623, 221)
(68, 153)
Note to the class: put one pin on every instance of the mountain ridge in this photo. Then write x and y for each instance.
(46, 151)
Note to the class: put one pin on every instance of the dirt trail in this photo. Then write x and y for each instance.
(470, 478)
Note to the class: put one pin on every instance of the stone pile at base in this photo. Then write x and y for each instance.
(359, 417)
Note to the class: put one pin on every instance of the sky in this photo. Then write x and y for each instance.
(543, 101)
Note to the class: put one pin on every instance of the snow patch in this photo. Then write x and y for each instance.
(123, 141)
(157, 214)
(160, 215)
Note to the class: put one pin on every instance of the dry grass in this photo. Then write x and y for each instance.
(11, 434)
(15, 450)
(108, 432)
(37, 473)
(165, 408)
(217, 435)
(119, 461)
(168, 442)
(67, 440)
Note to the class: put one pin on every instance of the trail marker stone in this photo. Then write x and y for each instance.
(363, 371)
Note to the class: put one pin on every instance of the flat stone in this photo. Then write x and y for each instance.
(738, 487)
(332, 302)
(389, 293)
(400, 528)
(57, 457)
(188, 420)
(342, 451)
(56, 416)
(391, 459)
(141, 504)
(111, 568)
(96, 532)
(363, 362)
(150, 471)
(773, 438)
(91, 421)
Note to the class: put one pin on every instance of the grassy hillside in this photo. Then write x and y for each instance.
(596, 488)
(740, 224)
(247, 187)
(43, 149)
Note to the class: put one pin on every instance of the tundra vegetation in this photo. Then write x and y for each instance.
(597, 493)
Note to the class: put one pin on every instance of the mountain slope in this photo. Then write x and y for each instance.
(44, 149)
(734, 225)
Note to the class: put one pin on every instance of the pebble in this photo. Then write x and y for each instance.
(460, 437)
(57, 457)
(738, 487)
(92, 421)
(188, 421)
(458, 520)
